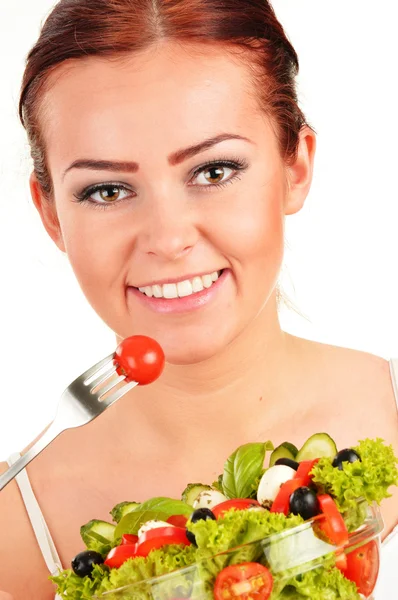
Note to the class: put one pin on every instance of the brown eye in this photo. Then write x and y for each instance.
(214, 175)
(110, 193)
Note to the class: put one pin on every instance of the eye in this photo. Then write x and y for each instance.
(104, 193)
(218, 173)
(213, 175)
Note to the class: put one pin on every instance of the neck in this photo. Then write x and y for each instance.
(246, 379)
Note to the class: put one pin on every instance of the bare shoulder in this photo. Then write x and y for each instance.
(356, 400)
(18, 540)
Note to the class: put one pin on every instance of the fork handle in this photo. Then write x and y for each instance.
(52, 432)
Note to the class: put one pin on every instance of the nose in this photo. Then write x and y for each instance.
(170, 233)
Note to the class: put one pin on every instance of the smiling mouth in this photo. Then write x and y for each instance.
(182, 289)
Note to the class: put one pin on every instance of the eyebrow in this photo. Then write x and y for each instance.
(173, 159)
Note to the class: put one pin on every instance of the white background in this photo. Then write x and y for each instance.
(343, 247)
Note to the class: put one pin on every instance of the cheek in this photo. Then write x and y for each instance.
(94, 247)
(253, 228)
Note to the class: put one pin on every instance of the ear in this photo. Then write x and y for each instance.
(299, 173)
(47, 211)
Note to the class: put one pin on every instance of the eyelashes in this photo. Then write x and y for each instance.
(112, 193)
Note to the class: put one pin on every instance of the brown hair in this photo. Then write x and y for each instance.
(78, 29)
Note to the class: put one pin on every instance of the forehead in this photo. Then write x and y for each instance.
(167, 95)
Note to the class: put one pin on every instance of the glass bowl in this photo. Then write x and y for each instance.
(287, 555)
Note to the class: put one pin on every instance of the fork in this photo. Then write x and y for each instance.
(82, 401)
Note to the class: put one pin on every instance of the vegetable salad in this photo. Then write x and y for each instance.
(317, 489)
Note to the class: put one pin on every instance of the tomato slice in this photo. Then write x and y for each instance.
(128, 539)
(237, 503)
(159, 537)
(117, 556)
(281, 502)
(333, 525)
(363, 567)
(341, 561)
(304, 470)
(245, 581)
(139, 358)
(177, 520)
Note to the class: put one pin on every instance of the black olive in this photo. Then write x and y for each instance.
(83, 563)
(200, 514)
(346, 455)
(304, 502)
(288, 462)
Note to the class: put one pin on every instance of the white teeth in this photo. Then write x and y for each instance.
(170, 290)
(197, 285)
(182, 288)
(157, 291)
(207, 281)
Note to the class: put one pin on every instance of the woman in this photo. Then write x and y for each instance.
(168, 149)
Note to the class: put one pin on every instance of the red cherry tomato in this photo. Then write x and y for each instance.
(159, 537)
(304, 470)
(332, 525)
(237, 503)
(281, 502)
(118, 555)
(178, 520)
(245, 581)
(363, 567)
(139, 358)
(128, 539)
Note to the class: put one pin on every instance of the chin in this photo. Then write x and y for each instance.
(191, 353)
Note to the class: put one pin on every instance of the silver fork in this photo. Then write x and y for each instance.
(82, 402)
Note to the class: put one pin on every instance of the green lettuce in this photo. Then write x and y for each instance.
(318, 584)
(368, 478)
(133, 571)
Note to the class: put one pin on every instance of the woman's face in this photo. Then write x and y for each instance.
(163, 243)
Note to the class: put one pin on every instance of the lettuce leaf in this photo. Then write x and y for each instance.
(318, 584)
(243, 468)
(133, 571)
(369, 478)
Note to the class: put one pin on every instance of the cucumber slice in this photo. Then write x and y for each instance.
(192, 491)
(280, 452)
(291, 447)
(122, 509)
(98, 535)
(317, 446)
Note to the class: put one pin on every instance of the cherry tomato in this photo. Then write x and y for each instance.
(245, 581)
(363, 567)
(177, 520)
(237, 503)
(332, 525)
(304, 470)
(128, 539)
(139, 358)
(159, 537)
(118, 555)
(281, 502)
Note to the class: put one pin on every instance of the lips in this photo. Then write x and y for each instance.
(181, 289)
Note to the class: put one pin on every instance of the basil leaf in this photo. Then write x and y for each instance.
(167, 505)
(132, 522)
(156, 508)
(242, 469)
